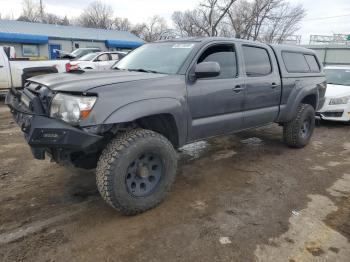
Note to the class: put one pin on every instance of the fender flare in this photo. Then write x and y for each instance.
(153, 106)
(289, 110)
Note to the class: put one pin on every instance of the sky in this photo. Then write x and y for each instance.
(324, 17)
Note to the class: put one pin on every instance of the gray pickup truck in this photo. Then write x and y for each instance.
(129, 121)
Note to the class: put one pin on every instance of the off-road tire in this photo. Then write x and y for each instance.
(292, 130)
(113, 164)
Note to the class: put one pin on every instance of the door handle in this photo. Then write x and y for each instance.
(1, 66)
(238, 89)
(274, 85)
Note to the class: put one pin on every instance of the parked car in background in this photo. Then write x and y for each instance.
(77, 53)
(96, 61)
(337, 104)
(14, 72)
(128, 122)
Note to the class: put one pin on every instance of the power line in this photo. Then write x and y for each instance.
(327, 17)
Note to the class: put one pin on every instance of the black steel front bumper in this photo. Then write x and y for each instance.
(47, 134)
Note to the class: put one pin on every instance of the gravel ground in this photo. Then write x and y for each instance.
(243, 197)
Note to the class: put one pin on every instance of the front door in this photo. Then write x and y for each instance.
(216, 104)
(53, 51)
(263, 86)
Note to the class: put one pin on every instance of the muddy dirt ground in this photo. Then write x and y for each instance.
(243, 197)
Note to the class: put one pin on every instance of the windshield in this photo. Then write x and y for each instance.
(166, 58)
(338, 76)
(77, 52)
(87, 57)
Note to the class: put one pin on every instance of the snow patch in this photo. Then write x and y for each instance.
(195, 149)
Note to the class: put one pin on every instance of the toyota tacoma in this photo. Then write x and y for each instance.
(128, 122)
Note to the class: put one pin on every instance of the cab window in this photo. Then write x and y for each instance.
(257, 61)
(295, 62)
(103, 57)
(225, 56)
(115, 56)
(313, 64)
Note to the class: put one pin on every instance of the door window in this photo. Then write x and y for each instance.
(225, 56)
(115, 56)
(257, 61)
(104, 57)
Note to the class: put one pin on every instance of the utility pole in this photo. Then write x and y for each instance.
(41, 10)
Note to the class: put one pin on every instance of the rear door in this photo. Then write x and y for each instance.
(103, 62)
(216, 103)
(115, 57)
(4, 71)
(263, 85)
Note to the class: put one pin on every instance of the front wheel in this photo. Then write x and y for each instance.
(298, 132)
(136, 170)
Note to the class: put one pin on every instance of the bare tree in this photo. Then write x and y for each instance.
(97, 15)
(122, 24)
(213, 11)
(34, 11)
(265, 20)
(153, 30)
(138, 30)
(205, 20)
(30, 11)
(282, 23)
(186, 23)
(65, 21)
(261, 11)
(49, 18)
(247, 18)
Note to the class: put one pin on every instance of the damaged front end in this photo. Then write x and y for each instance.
(64, 143)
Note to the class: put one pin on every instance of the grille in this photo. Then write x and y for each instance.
(333, 114)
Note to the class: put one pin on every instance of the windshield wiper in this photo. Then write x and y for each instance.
(144, 71)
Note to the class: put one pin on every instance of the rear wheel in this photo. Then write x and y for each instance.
(298, 132)
(136, 170)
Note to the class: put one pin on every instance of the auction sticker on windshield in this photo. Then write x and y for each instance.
(183, 45)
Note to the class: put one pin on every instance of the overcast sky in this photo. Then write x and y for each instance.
(320, 13)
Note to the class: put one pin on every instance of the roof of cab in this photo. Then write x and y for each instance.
(292, 48)
(207, 39)
(276, 47)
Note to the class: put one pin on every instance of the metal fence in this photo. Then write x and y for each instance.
(335, 39)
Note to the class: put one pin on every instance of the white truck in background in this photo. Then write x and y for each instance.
(13, 72)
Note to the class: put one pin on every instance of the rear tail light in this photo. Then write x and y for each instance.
(68, 67)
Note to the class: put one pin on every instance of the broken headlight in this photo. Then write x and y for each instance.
(71, 108)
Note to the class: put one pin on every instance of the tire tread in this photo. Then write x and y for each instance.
(291, 129)
(113, 152)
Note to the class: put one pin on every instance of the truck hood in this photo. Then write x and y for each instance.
(337, 90)
(82, 81)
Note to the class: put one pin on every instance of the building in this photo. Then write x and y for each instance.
(41, 40)
(332, 54)
(331, 49)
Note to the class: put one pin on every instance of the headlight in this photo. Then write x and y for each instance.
(71, 108)
(340, 100)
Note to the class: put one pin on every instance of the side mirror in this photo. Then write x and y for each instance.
(207, 69)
